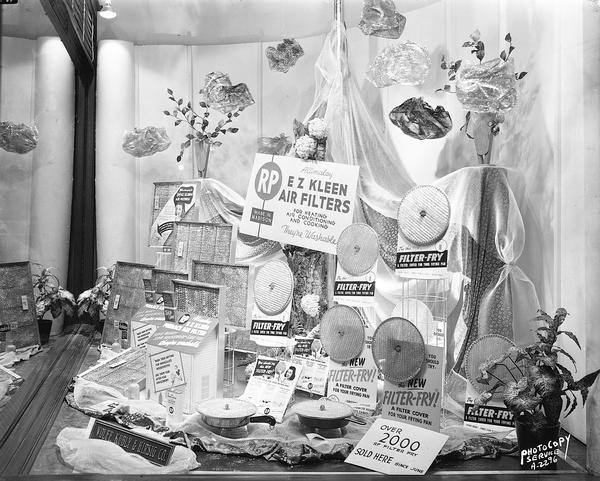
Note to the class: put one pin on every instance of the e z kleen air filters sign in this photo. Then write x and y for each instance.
(298, 202)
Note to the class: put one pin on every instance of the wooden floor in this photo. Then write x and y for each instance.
(30, 453)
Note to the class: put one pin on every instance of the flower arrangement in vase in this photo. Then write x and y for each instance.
(486, 91)
(536, 398)
(311, 139)
(204, 134)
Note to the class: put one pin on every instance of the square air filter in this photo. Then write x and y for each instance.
(17, 306)
(237, 279)
(199, 241)
(126, 297)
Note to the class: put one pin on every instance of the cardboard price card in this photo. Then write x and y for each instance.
(296, 202)
(392, 447)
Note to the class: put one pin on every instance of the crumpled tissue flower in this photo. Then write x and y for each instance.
(417, 119)
(405, 63)
(221, 95)
(274, 145)
(285, 55)
(310, 304)
(143, 142)
(18, 138)
(380, 18)
(317, 128)
(305, 147)
(487, 87)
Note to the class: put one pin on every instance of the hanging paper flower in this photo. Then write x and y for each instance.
(143, 142)
(317, 128)
(18, 138)
(305, 147)
(310, 304)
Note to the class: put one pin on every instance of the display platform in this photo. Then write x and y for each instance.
(47, 463)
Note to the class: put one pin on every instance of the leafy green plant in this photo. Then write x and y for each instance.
(537, 396)
(94, 301)
(49, 295)
(203, 131)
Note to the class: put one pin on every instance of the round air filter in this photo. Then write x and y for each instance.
(424, 215)
(357, 249)
(398, 349)
(491, 346)
(342, 333)
(273, 287)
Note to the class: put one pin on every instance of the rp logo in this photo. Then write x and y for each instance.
(268, 181)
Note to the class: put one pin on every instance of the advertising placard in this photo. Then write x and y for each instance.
(271, 386)
(392, 447)
(355, 382)
(167, 211)
(303, 203)
(419, 400)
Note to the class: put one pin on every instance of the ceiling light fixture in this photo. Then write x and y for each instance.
(107, 11)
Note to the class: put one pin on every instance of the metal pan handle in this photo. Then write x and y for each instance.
(356, 420)
(263, 419)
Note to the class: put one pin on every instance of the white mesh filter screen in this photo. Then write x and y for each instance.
(342, 333)
(357, 249)
(424, 215)
(398, 349)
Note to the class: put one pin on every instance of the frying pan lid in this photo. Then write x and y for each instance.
(323, 409)
(342, 333)
(273, 287)
(357, 249)
(226, 408)
(424, 215)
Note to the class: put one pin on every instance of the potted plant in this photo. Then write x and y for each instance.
(204, 134)
(52, 303)
(93, 303)
(546, 387)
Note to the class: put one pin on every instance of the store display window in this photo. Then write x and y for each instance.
(322, 236)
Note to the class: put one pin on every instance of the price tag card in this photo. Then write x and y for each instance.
(392, 447)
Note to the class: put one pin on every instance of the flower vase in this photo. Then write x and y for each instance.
(44, 327)
(483, 137)
(200, 155)
(529, 438)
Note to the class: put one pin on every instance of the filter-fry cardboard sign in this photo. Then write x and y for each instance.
(298, 202)
(419, 400)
